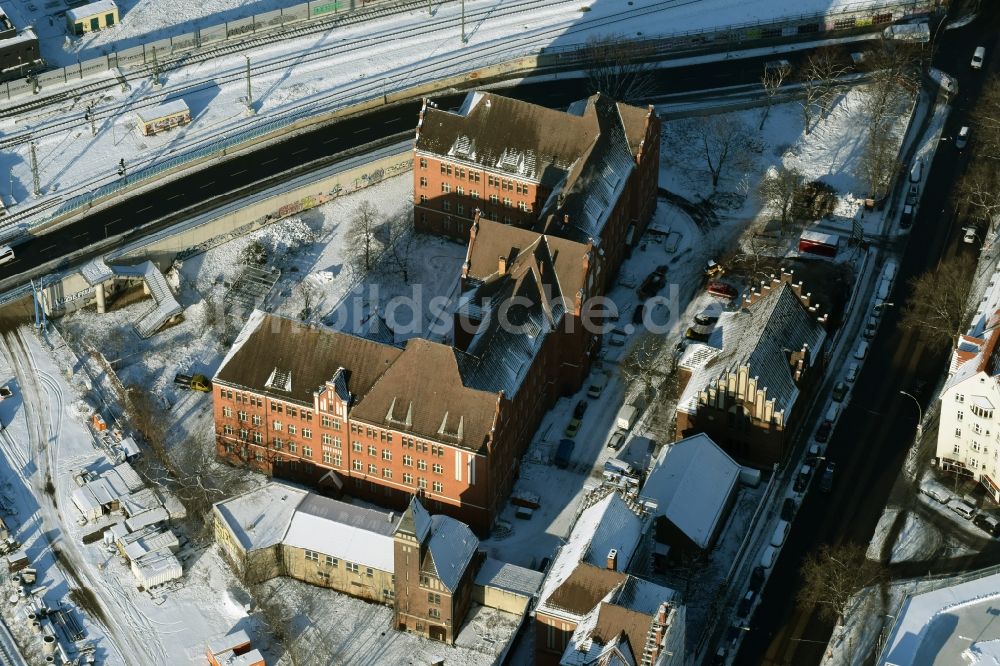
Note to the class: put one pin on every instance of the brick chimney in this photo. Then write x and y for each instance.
(613, 560)
(502, 265)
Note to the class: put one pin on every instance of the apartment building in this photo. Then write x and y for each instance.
(562, 173)
(968, 441)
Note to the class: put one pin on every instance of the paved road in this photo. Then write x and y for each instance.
(241, 171)
(871, 439)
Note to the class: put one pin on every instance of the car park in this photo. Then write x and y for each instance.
(826, 481)
(962, 138)
(978, 56)
(987, 523)
(823, 432)
(962, 508)
(839, 391)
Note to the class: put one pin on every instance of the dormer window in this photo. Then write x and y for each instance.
(280, 380)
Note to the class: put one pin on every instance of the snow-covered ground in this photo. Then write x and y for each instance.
(44, 443)
(304, 75)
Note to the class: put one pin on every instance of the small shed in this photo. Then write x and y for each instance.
(156, 568)
(146, 518)
(815, 242)
(234, 650)
(163, 117)
(92, 17)
(135, 549)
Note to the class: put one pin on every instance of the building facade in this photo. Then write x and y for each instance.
(968, 441)
(92, 17)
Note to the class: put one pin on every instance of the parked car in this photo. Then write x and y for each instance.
(861, 350)
(713, 269)
(703, 319)
(962, 508)
(780, 533)
(653, 283)
(962, 138)
(638, 313)
(6, 254)
(906, 219)
(970, 235)
(788, 508)
(802, 480)
(580, 409)
(768, 556)
(597, 385)
(618, 338)
(852, 372)
(721, 290)
(746, 603)
(987, 523)
(870, 328)
(564, 452)
(757, 578)
(826, 481)
(823, 432)
(839, 391)
(572, 427)
(936, 492)
(978, 56)
(616, 440)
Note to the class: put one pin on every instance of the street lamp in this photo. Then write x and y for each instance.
(920, 412)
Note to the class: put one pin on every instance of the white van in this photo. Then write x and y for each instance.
(916, 171)
(767, 559)
(890, 269)
(780, 533)
(832, 413)
(962, 508)
(861, 351)
(883, 289)
(978, 56)
(6, 254)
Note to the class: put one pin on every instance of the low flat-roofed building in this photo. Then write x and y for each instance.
(163, 116)
(92, 17)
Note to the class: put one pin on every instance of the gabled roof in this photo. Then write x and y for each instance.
(415, 520)
(761, 337)
(308, 355)
(976, 354)
(425, 393)
(450, 549)
(584, 588)
(692, 481)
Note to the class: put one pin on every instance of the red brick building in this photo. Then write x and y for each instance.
(450, 424)
(561, 173)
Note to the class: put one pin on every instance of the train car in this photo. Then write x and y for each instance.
(163, 117)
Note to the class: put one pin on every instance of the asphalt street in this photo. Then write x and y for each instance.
(189, 191)
(875, 430)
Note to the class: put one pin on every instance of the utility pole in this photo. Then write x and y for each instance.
(35, 184)
(89, 115)
(250, 110)
(463, 22)
(156, 70)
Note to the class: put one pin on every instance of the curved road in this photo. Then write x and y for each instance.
(874, 433)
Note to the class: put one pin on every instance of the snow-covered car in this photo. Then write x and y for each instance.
(962, 138)
(970, 235)
(978, 56)
(721, 290)
(852, 372)
(936, 492)
(962, 508)
(802, 480)
(617, 439)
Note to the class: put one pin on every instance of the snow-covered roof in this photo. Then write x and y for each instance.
(96, 271)
(156, 568)
(260, 518)
(759, 337)
(91, 9)
(810, 236)
(150, 517)
(174, 106)
(452, 545)
(931, 628)
(347, 532)
(509, 577)
(692, 482)
(606, 525)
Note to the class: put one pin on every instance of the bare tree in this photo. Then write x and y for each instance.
(644, 365)
(723, 142)
(619, 67)
(772, 80)
(364, 237)
(777, 191)
(986, 115)
(938, 305)
(832, 575)
(979, 189)
(823, 72)
(401, 240)
(894, 76)
(879, 161)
